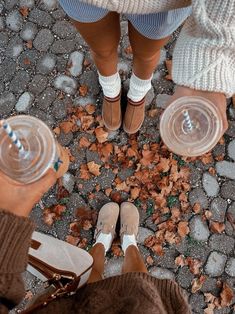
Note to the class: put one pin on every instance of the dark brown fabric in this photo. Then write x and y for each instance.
(129, 293)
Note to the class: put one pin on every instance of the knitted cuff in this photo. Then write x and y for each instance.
(201, 65)
(15, 235)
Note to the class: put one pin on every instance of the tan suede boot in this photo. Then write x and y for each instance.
(134, 116)
(111, 113)
(129, 216)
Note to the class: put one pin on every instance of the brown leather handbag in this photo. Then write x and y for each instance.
(64, 267)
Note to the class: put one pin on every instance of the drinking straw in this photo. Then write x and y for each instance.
(12, 135)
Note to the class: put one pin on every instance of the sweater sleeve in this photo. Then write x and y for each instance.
(204, 57)
(15, 235)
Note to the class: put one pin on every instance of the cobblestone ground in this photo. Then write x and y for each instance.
(43, 64)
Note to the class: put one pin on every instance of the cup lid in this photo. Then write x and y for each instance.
(191, 126)
(40, 149)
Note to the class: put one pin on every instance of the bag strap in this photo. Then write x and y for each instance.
(65, 283)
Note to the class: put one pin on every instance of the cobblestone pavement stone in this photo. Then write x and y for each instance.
(43, 63)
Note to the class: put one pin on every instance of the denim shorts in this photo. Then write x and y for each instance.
(153, 26)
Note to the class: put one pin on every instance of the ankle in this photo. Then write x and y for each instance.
(128, 241)
(105, 240)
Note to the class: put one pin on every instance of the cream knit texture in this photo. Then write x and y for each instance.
(204, 57)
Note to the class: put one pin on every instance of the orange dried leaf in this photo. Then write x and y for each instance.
(24, 11)
(183, 228)
(135, 192)
(29, 44)
(212, 171)
(157, 248)
(163, 165)
(148, 157)
(128, 50)
(226, 295)
(197, 208)
(217, 227)
(180, 261)
(59, 209)
(66, 126)
(56, 130)
(107, 149)
(116, 197)
(152, 113)
(83, 89)
(207, 158)
(84, 142)
(72, 240)
(169, 66)
(197, 284)
(86, 225)
(48, 216)
(90, 109)
(101, 135)
(116, 250)
(149, 260)
(94, 168)
(26, 61)
(84, 172)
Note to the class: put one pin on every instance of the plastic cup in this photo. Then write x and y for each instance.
(191, 126)
(42, 151)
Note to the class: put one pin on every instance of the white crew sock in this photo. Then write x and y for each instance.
(105, 239)
(127, 241)
(111, 85)
(138, 88)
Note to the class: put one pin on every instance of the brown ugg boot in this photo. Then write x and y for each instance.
(111, 113)
(134, 116)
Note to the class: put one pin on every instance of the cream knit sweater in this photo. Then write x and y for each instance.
(204, 56)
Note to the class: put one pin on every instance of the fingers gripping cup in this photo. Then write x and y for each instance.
(191, 126)
(40, 150)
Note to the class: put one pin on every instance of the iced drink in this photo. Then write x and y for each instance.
(191, 126)
(41, 151)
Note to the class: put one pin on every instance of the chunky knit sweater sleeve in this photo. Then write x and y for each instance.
(204, 56)
(15, 235)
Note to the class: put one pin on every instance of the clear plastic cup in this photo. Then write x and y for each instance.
(42, 151)
(191, 126)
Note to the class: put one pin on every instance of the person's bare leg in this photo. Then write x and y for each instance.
(103, 38)
(133, 261)
(98, 254)
(146, 53)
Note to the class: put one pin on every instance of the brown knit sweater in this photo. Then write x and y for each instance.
(130, 293)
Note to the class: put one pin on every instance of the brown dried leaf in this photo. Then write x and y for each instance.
(24, 11)
(116, 250)
(72, 240)
(116, 197)
(90, 109)
(26, 61)
(135, 192)
(29, 44)
(157, 248)
(180, 261)
(197, 283)
(152, 113)
(148, 157)
(84, 172)
(226, 295)
(217, 227)
(128, 50)
(183, 228)
(149, 260)
(83, 89)
(163, 165)
(66, 126)
(84, 142)
(86, 225)
(56, 130)
(207, 158)
(94, 168)
(107, 149)
(197, 208)
(48, 216)
(101, 135)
